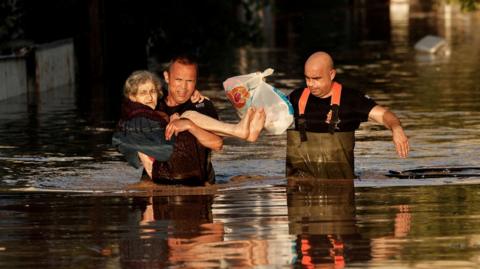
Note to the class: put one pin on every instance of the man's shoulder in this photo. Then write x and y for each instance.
(357, 100)
(205, 104)
(354, 93)
(205, 107)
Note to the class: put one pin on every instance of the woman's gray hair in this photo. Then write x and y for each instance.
(138, 78)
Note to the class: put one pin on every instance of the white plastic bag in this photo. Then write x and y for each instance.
(251, 90)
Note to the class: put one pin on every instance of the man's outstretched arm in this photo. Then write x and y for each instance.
(391, 121)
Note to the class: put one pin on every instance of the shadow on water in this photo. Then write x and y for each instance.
(64, 204)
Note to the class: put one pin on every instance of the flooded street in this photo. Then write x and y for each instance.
(64, 201)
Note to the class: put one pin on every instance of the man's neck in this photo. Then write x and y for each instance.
(328, 94)
(171, 102)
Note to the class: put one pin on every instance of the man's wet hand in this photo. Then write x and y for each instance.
(401, 142)
(177, 126)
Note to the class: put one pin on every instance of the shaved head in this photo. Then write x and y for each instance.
(319, 74)
(320, 58)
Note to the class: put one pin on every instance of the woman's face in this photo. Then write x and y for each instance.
(146, 95)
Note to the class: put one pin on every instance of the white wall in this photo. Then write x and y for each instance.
(54, 65)
(13, 76)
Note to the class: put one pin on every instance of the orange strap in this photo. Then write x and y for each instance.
(336, 94)
(302, 103)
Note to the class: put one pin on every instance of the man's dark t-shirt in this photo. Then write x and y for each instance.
(354, 109)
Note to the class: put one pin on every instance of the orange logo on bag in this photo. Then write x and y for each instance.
(238, 96)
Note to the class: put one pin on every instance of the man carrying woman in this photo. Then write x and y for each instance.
(170, 135)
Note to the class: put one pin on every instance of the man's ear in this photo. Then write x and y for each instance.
(165, 76)
(333, 72)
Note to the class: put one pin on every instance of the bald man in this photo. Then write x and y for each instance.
(326, 117)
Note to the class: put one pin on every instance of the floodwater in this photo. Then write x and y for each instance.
(65, 202)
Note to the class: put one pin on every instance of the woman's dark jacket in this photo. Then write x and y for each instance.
(141, 128)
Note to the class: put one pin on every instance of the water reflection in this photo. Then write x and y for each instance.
(256, 228)
(381, 246)
(420, 227)
(172, 231)
(321, 214)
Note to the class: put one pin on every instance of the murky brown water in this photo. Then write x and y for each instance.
(63, 202)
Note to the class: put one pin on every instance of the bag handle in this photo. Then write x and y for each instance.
(267, 72)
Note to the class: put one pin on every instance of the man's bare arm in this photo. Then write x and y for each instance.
(391, 121)
(206, 138)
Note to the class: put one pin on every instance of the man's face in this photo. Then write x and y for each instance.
(146, 95)
(319, 78)
(181, 80)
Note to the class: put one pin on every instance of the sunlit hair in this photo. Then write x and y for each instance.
(141, 77)
(183, 59)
